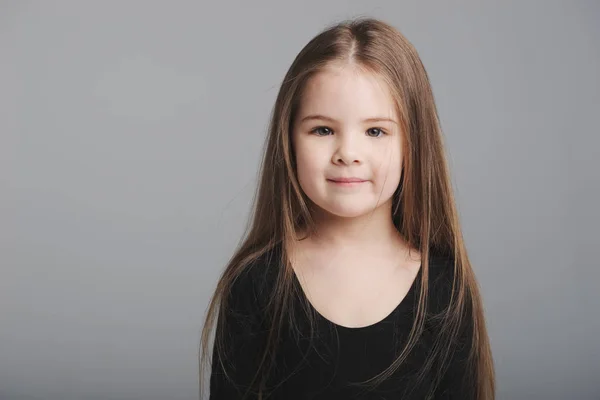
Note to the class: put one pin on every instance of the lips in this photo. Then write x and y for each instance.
(347, 180)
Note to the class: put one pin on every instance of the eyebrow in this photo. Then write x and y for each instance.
(325, 118)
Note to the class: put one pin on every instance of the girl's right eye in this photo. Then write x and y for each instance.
(321, 131)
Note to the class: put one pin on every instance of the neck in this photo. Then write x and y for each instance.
(374, 229)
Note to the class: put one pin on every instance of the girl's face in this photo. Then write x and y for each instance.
(347, 128)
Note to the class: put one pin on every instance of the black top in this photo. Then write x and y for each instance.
(338, 355)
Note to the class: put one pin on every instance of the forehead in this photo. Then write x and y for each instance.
(347, 92)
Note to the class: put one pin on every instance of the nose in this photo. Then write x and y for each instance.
(347, 150)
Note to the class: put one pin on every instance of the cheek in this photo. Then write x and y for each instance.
(388, 166)
(308, 165)
(308, 158)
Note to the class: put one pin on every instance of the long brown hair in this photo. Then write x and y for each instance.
(424, 210)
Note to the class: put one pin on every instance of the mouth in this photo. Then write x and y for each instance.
(347, 181)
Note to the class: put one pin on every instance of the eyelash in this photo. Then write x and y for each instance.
(383, 132)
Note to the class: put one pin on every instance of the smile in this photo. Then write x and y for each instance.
(347, 182)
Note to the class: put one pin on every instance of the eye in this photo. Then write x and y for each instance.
(321, 131)
(377, 132)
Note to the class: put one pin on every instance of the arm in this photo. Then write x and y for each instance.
(243, 338)
(458, 382)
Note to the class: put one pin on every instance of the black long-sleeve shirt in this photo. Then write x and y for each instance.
(339, 355)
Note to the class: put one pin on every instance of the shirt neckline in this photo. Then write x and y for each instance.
(404, 302)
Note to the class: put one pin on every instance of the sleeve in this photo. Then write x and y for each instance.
(458, 381)
(243, 337)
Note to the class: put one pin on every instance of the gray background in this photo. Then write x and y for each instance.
(131, 132)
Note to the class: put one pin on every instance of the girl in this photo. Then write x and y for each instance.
(353, 281)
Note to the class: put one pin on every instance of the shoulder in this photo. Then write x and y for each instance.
(249, 290)
(442, 270)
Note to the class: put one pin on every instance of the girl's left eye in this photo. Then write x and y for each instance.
(378, 132)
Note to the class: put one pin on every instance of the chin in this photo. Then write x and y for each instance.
(348, 210)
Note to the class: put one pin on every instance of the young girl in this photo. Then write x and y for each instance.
(353, 281)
